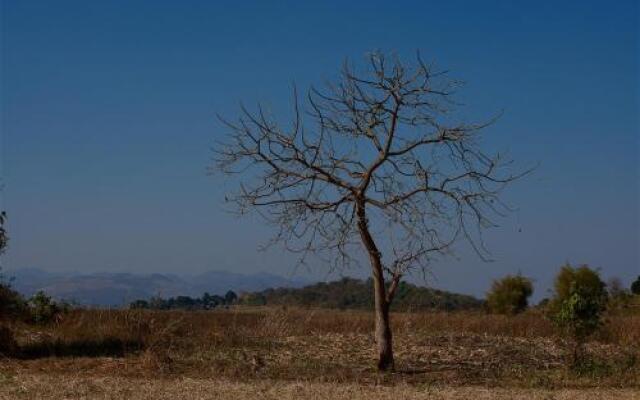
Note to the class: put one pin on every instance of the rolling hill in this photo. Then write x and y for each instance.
(349, 293)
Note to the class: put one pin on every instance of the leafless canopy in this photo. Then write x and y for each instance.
(380, 141)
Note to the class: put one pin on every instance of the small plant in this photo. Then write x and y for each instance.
(580, 299)
(509, 295)
(43, 309)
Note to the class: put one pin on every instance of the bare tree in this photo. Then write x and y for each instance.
(370, 162)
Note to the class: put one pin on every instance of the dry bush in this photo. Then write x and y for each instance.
(278, 323)
(509, 295)
(621, 329)
(158, 347)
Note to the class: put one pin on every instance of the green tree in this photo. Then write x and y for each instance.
(509, 295)
(577, 307)
(139, 305)
(230, 297)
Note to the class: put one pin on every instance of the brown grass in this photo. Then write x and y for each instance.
(331, 349)
(41, 387)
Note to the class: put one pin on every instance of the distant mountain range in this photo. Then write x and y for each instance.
(117, 289)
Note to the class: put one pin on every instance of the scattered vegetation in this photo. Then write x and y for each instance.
(206, 302)
(580, 299)
(349, 293)
(39, 309)
(15, 309)
(509, 295)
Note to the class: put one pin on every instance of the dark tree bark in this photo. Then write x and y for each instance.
(373, 156)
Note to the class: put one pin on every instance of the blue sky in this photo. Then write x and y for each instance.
(108, 116)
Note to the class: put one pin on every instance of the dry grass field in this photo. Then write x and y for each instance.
(277, 353)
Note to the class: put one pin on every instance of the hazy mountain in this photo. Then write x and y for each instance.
(218, 282)
(116, 289)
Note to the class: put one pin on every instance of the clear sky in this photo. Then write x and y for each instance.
(108, 116)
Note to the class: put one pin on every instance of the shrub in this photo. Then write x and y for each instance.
(635, 286)
(583, 277)
(43, 309)
(509, 295)
(12, 304)
(576, 309)
(252, 299)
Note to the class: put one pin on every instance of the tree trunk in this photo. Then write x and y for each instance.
(384, 342)
(383, 335)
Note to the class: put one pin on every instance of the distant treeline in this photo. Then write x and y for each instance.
(349, 293)
(206, 302)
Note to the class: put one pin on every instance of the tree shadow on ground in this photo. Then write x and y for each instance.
(107, 347)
